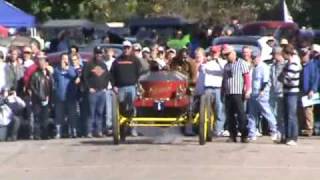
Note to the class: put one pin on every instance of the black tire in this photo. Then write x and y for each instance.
(211, 117)
(210, 122)
(202, 121)
(123, 132)
(116, 120)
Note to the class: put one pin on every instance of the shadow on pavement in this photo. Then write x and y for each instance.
(144, 141)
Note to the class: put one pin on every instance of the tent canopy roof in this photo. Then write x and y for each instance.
(11, 16)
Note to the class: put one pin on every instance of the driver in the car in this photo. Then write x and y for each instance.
(185, 65)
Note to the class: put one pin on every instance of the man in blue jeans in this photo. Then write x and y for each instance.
(290, 77)
(276, 89)
(96, 78)
(259, 99)
(125, 74)
(210, 82)
(65, 96)
(309, 80)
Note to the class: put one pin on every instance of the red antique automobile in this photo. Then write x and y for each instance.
(163, 100)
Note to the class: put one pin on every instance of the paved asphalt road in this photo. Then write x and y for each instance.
(93, 159)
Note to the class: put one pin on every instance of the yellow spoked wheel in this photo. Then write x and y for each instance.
(206, 119)
(210, 122)
(203, 121)
(116, 120)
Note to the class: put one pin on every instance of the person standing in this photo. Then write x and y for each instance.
(125, 74)
(41, 89)
(258, 102)
(28, 61)
(139, 55)
(82, 96)
(96, 78)
(210, 82)
(14, 71)
(309, 81)
(290, 77)
(170, 55)
(27, 57)
(276, 89)
(235, 87)
(65, 96)
(108, 60)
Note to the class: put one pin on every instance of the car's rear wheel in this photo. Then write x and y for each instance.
(116, 120)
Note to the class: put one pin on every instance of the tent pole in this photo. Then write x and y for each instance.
(31, 31)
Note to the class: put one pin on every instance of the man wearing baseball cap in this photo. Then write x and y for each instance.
(235, 87)
(210, 82)
(96, 78)
(125, 74)
(258, 103)
(138, 54)
(276, 88)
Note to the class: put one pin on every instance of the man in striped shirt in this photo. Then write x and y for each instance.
(235, 87)
(290, 77)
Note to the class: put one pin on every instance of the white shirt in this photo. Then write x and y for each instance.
(210, 75)
(161, 63)
(109, 63)
(5, 115)
(27, 63)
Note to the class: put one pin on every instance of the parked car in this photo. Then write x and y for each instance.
(86, 53)
(278, 29)
(256, 43)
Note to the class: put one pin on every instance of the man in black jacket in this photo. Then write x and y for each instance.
(41, 89)
(96, 78)
(125, 74)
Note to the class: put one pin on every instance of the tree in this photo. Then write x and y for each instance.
(207, 11)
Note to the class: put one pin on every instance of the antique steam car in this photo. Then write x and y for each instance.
(163, 100)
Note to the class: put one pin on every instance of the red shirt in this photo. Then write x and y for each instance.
(28, 74)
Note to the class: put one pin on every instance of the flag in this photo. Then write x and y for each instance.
(286, 13)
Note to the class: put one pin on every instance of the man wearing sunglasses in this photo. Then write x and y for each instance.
(27, 57)
(235, 86)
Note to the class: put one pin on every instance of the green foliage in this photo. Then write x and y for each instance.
(210, 11)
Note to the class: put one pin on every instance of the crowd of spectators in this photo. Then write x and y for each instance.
(74, 98)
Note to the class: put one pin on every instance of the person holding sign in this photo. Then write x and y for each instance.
(309, 84)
